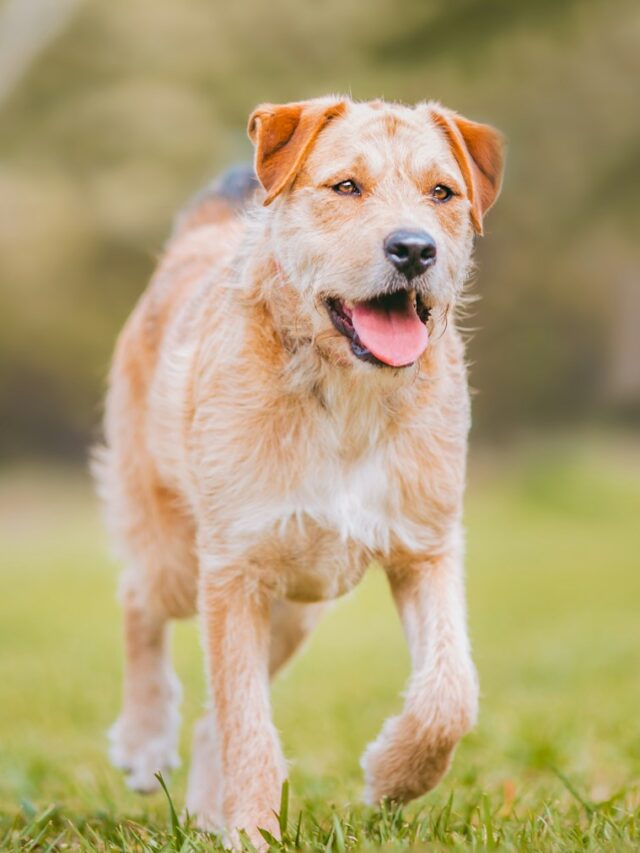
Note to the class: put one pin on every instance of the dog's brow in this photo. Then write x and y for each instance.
(429, 156)
(434, 172)
(359, 166)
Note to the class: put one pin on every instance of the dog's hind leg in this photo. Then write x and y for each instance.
(291, 624)
(154, 538)
(144, 738)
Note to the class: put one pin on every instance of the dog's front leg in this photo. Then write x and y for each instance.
(414, 749)
(236, 779)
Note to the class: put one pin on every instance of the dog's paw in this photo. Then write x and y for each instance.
(141, 754)
(235, 839)
(405, 761)
(243, 811)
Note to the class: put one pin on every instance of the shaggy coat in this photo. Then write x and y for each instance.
(259, 457)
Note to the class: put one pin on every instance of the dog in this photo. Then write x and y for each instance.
(288, 402)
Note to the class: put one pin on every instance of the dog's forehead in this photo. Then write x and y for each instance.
(382, 136)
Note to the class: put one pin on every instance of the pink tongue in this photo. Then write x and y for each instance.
(391, 329)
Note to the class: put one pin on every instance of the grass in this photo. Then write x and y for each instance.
(554, 764)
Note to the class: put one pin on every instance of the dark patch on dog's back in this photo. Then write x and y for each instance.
(225, 196)
(237, 185)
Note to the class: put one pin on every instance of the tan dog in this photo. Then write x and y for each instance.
(288, 402)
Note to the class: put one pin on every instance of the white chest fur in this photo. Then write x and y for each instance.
(318, 538)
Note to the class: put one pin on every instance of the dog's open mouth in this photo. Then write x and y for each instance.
(388, 331)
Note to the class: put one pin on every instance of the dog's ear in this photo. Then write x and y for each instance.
(283, 136)
(479, 150)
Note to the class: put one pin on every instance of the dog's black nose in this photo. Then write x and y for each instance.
(411, 252)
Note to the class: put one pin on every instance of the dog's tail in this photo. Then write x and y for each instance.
(224, 197)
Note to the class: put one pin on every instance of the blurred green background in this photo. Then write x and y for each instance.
(112, 114)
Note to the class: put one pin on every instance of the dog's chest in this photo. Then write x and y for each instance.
(310, 496)
(354, 501)
(327, 529)
(322, 536)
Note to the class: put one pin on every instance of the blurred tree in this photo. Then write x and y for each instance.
(26, 29)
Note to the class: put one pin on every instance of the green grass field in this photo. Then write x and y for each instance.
(554, 599)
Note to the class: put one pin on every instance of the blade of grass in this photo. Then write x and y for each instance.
(338, 835)
(268, 837)
(298, 831)
(176, 829)
(589, 808)
(283, 816)
(488, 822)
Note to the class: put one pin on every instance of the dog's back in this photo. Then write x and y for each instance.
(227, 195)
(201, 239)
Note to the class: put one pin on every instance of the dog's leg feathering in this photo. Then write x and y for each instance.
(414, 749)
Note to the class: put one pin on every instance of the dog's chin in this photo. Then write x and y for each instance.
(367, 344)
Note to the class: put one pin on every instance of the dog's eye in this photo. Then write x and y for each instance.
(346, 188)
(441, 192)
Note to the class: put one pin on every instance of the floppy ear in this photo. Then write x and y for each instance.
(283, 136)
(479, 150)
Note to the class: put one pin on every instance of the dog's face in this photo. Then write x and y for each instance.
(374, 211)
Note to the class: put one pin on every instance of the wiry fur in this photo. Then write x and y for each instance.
(253, 468)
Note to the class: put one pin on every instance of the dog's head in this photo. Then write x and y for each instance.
(374, 208)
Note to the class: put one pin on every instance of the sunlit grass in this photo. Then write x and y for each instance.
(554, 592)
